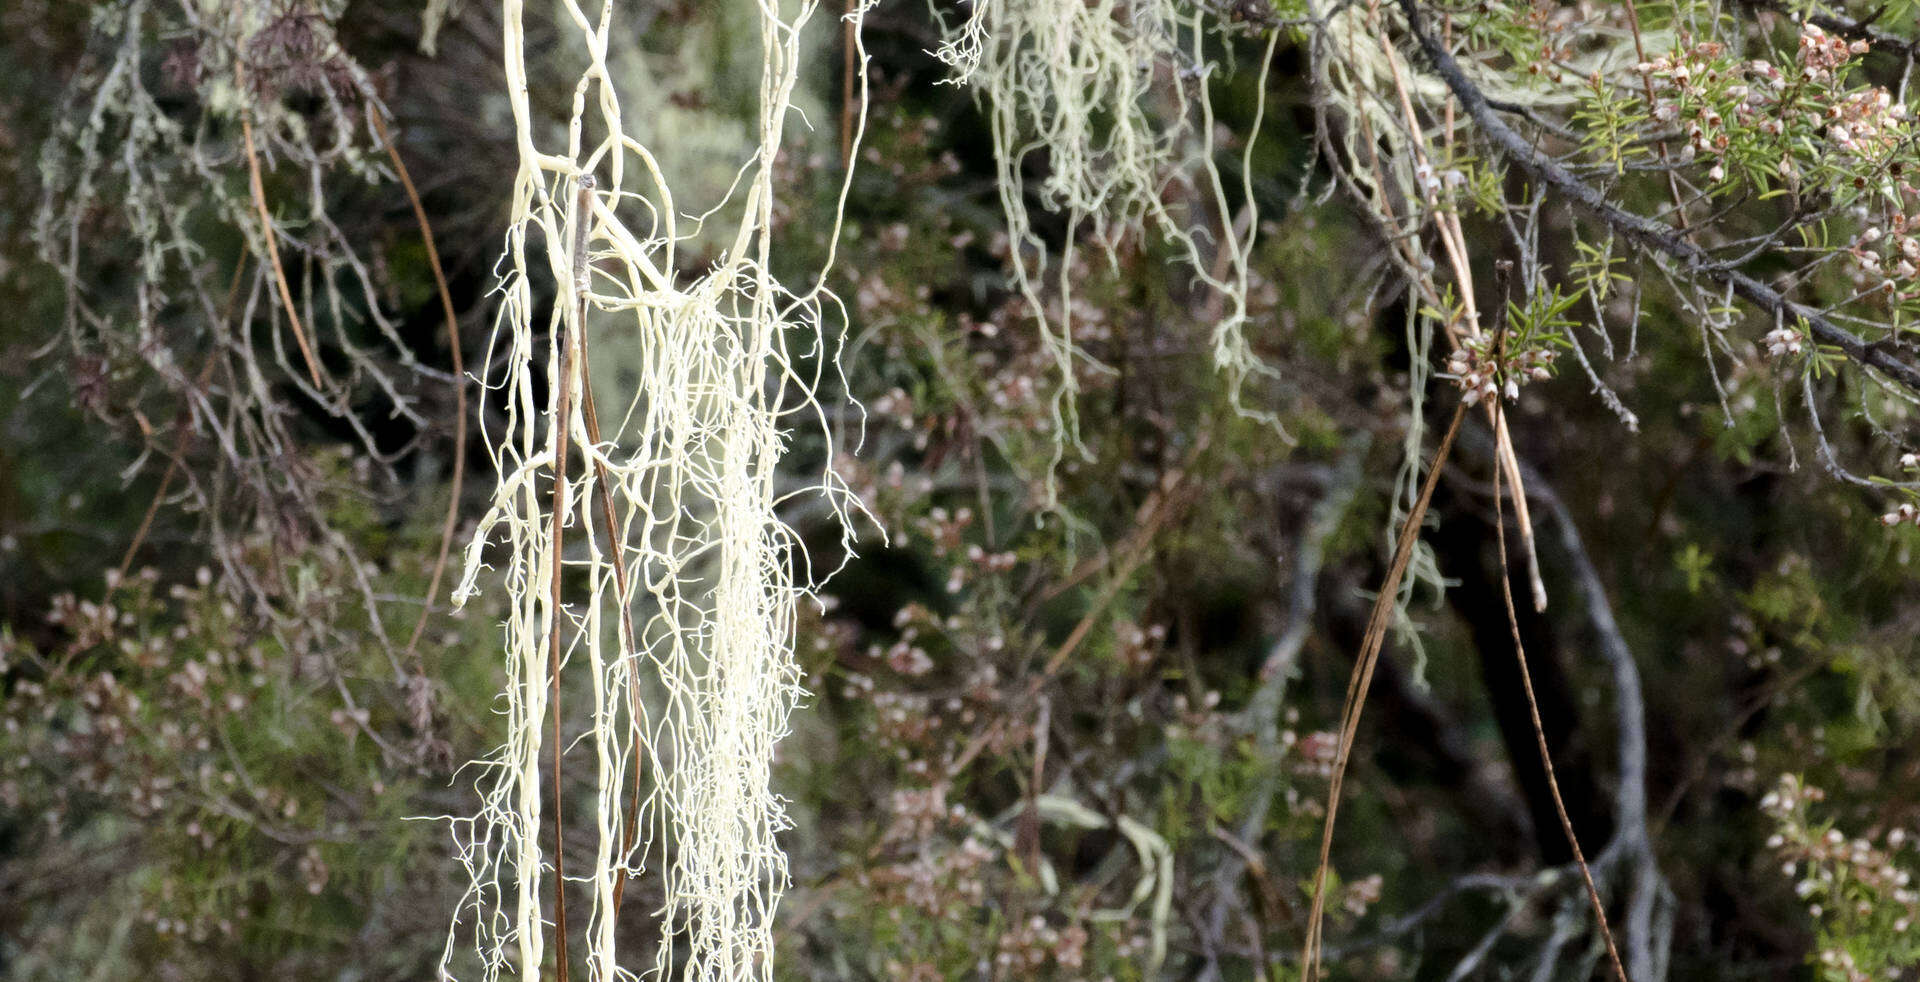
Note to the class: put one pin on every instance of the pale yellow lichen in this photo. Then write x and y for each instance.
(702, 687)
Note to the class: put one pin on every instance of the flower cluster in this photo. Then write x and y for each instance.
(919, 813)
(1821, 54)
(1798, 124)
(1137, 647)
(1784, 341)
(1482, 375)
(1866, 122)
(939, 881)
(1360, 895)
(1856, 889)
(1680, 81)
(1437, 182)
(1907, 512)
(1318, 751)
(947, 532)
(1028, 946)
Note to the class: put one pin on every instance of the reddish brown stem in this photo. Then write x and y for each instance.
(266, 232)
(562, 434)
(459, 379)
(628, 647)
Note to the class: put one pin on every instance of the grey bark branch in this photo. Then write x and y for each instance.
(1645, 232)
(1280, 666)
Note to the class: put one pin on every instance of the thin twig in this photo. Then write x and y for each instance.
(1539, 732)
(562, 430)
(266, 230)
(629, 647)
(1362, 679)
(182, 430)
(459, 378)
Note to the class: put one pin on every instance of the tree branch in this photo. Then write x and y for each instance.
(1654, 236)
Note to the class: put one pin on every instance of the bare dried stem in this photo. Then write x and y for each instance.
(182, 431)
(628, 644)
(1361, 680)
(1540, 733)
(266, 232)
(571, 329)
(459, 377)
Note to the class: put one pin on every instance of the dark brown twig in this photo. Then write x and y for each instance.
(1539, 731)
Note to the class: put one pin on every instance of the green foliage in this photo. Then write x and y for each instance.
(1596, 273)
(1608, 119)
(1694, 564)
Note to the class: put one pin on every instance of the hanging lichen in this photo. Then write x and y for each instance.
(1111, 99)
(660, 569)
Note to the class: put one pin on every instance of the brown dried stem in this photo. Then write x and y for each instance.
(266, 230)
(459, 377)
(1362, 680)
(1540, 733)
(628, 644)
(571, 329)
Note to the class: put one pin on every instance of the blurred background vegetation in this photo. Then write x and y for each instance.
(1089, 742)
